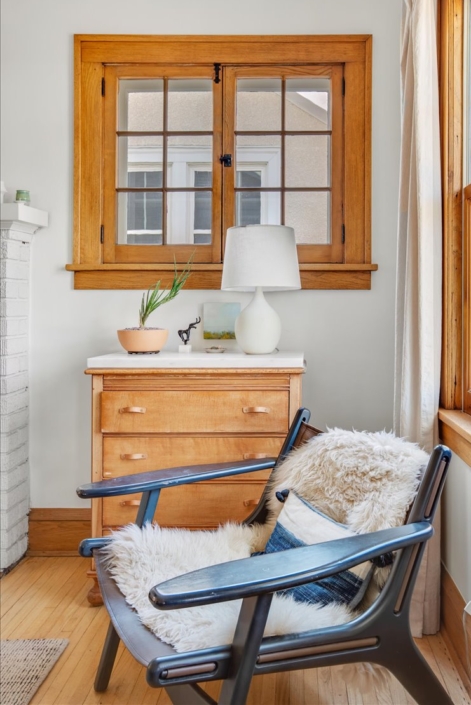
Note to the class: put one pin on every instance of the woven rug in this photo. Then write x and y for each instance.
(24, 664)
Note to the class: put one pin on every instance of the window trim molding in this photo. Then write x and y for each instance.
(454, 423)
(92, 52)
(451, 26)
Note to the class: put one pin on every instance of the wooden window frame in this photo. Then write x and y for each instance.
(94, 149)
(455, 401)
(148, 254)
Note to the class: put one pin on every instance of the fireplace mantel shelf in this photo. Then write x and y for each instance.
(18, 216)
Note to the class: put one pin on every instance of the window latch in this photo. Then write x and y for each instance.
(217, 69)
(226, 159)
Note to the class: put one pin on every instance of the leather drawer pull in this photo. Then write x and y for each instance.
(130, 503)
(133, 456)
(133, 410)
(250, 502)
(250, 456)
(256, 410)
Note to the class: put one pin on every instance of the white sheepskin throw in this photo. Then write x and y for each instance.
(139, 559)
(364, 480)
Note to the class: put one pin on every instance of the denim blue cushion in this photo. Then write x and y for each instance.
(301, 524)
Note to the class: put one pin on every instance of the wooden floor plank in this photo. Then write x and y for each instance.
(57, 588)
(452, 681)
(339, 687)
(54, 621)
(281, 689)
(296, 687)
(427, 652)
(46, 588)
(324, 685)
(17, 585)
(13, 598)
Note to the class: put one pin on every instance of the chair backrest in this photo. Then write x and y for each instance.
(423, 508)
(299, 432)
(431, 486)
(405, 570)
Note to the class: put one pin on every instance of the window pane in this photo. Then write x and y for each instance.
(190, 105)
(185, 154)
(143, 154)
(308, 104)
(309, 214)
(140, 216)
(257, 207)
(307, 160)
(249, 208)
(249, 179)
(260, 153)
(202, 219)
(202, 179)
(189, 218)
(258, 105)
(140, 105)
(202, 224)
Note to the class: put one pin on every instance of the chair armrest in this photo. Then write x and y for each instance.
(271, 572)
(170, 477)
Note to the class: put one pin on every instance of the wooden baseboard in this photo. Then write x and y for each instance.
(452, 606)
(57, 532)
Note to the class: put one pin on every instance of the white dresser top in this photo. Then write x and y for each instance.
(201, 359)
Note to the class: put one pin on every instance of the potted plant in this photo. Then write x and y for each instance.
(145, 339)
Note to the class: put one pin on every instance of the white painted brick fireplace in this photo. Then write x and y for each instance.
(19, 223)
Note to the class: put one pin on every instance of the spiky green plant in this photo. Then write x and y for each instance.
(155, 298)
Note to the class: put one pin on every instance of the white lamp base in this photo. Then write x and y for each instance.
(258, 327)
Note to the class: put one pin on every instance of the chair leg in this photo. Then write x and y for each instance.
(108, 656)
(245, 645)
(406, 662)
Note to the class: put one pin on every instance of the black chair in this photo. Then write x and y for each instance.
(381, 634)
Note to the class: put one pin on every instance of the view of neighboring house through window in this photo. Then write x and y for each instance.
(144, 208)
(202, 209)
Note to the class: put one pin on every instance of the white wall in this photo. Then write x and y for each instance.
(347, 336)
(456, 522)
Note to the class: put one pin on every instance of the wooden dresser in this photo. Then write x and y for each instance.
(154, 412)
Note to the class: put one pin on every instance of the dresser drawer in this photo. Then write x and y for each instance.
(127, 455)
(252, 411)
(193, 506)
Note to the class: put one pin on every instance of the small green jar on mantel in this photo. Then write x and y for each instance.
(22, 196)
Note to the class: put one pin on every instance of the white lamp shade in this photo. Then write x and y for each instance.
(260, 255)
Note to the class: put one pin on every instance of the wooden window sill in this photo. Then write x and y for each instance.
(208, 276)
(455, 432)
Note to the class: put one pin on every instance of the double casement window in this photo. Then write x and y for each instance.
(179, 138)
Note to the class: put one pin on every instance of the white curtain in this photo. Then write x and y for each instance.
(418, 294)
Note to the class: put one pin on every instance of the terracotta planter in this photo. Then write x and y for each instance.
(143, 340)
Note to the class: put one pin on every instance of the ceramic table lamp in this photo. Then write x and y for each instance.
(257, 258)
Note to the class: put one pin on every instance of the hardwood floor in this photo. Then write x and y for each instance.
(46, 598)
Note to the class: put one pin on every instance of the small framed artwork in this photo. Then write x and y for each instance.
(219, 321)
